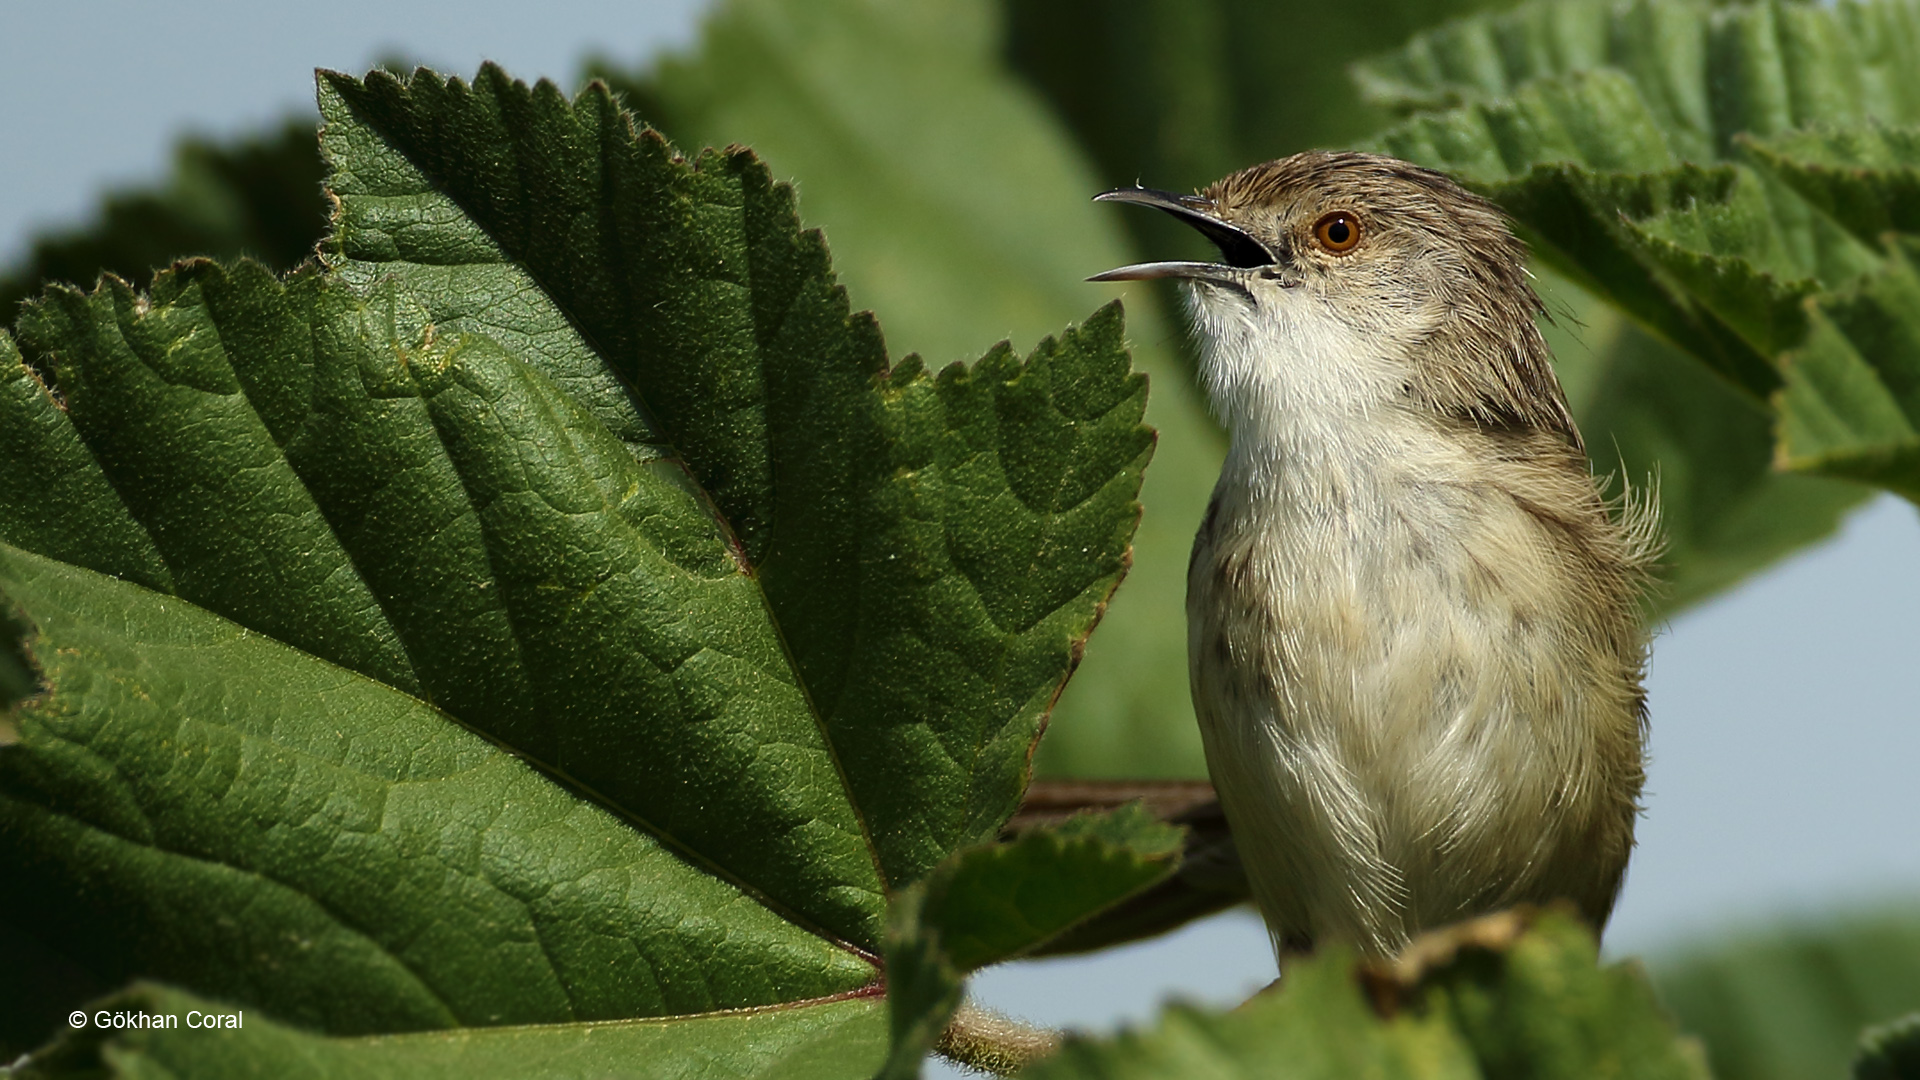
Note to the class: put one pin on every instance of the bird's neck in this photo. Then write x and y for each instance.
(1313, 407)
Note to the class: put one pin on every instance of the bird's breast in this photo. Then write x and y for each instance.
(1394, 694)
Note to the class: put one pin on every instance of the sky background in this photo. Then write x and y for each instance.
(1783, 713)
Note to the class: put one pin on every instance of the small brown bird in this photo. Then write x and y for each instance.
(1414, 624)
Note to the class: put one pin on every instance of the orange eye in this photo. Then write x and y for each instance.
(1338, 232)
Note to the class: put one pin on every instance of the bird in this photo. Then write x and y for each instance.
(1416, 619)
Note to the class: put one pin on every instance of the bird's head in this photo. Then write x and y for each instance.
(1352, 281)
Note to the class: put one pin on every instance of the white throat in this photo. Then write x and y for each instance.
(1302, 384)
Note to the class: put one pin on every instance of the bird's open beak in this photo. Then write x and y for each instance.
(1239, 250)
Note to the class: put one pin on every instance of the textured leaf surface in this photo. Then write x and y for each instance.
(1851, 404)
(830, 1041)
(1480, 1000)
(1615, 132)
(1209, 878)
(991, 903)
(932, 598)
(1540, 1006)
(585, 468)
(376, 867)
(1790, 1001)
(1177, 93)
(995, 902)
(955, 203)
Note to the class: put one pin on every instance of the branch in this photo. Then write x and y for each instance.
(986, 1040)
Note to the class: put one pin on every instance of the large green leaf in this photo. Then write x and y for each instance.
(1790, 1001)
(1852, 393)
(955, 202)
(1616, 131)
(1483, 1000)
(829, 1041)
(931, 572)
(374, 866)
(258, 195)
(558, 609)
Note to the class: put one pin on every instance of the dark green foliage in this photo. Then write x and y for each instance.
(1177, 93)
(701, 321)
(1890, 1052)
(1852, 397)
(991, 903)
(1539, 1008)
(258, 196)
(513, 623)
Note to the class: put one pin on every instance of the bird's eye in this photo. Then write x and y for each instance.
(1337, 232)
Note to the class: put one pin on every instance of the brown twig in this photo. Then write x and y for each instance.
(983, 1039)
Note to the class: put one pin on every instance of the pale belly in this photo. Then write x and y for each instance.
(1404, 725)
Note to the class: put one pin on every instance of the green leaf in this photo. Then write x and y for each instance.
(830, 1041)
(1851, 404)
(1540, 1007)
(1209, 878)
(1890, 1051)
(1177, 93)
(1319, 1022)
(583, 481)
(258, 196)
(1863, 177)
(954, 203)
(992, 903)
(1790, 1001)
(989, 904)
(924, 989)
(721, 317)
(1615, 133)
(1483, 999)
(374, 867)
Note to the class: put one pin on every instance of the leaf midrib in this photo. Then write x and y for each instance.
(670, 453)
